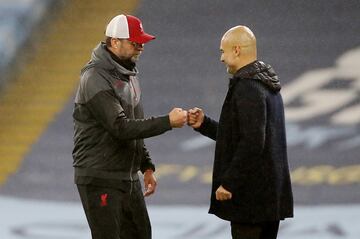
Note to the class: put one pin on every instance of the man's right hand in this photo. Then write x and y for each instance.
(178, 117)
(195, 117)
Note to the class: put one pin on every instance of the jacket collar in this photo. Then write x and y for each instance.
(102, 56)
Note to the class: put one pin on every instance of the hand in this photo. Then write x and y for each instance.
(195, 117)
(222, 194)
(178, 117)
(149, 182)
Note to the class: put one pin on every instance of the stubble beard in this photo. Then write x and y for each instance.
(135, 58)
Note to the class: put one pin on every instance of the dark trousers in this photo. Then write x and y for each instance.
(263, 230)
(114, 213)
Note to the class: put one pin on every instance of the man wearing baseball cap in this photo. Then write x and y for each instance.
(109, 128)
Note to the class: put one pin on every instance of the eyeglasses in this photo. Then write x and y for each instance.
(137, 45)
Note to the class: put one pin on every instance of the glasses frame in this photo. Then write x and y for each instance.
(137, 45)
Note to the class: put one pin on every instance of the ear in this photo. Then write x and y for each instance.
(114, 43)
(237, 50)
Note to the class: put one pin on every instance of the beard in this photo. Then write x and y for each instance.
(135, 58)
(128, 63)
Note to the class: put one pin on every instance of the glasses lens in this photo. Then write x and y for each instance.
(137, 45)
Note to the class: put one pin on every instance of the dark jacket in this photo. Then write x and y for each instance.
(108, 123)
(250, 155)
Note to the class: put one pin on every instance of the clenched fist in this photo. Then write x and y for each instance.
(178, 117)
(195, 117)
(222, 194)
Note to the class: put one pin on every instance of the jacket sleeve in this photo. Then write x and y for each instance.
(101, 101)
(208, 128)
(249, 106)
(107, 110)
(146, 162)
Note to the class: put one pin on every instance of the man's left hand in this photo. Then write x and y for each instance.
(222, 194)
(149, 182)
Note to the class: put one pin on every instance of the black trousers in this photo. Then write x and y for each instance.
(263, 230)
(113, 213)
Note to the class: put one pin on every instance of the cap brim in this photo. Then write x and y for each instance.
(144, 38)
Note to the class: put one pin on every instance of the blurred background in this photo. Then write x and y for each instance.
(314, 46)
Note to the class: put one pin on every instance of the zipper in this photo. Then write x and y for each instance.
(131, 178)
(134, 89)
(133, 159)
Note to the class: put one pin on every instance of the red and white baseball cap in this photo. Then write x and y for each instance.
(127, 27)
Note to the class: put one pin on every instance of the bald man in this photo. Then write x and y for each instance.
(251, 185)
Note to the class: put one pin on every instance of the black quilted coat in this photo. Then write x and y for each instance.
(251, 156)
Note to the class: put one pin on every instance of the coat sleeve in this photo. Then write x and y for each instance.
(249, 125)
(101, 101)
(108, 111)
(208, 128)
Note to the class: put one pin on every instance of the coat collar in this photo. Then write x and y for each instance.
(257, 70)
